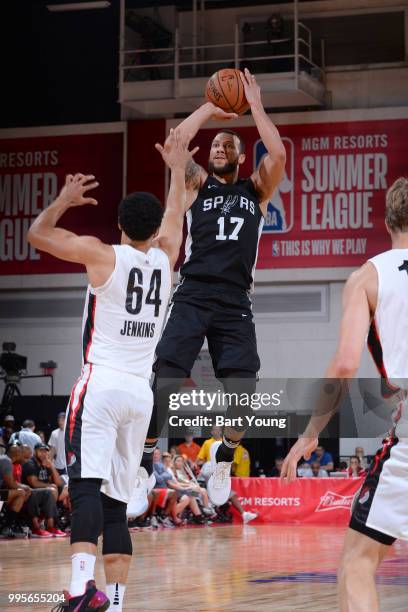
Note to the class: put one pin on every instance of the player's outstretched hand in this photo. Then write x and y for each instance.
(251, 88)
(304, 447)
(175, 151)
(75, 188)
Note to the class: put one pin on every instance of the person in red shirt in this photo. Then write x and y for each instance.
(189, 449)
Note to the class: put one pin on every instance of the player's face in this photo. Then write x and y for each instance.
(224, 154)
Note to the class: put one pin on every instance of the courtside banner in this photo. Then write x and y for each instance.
(329, 208)
(305, 501)
(33, 170)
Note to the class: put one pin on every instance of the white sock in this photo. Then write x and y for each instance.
(83, 565)
(116, 593)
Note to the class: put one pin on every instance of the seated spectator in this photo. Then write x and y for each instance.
(355, 469)
(39, 472)
(342, 467)
(14, 496)
(57, 445)
(189, 484)
(189, 449)
(364, 461)
(173, 451)
(8, 429)
(313, 471)
(26, 435)
(39, 502)
(323, 457)
(275, 472)
(186, 499)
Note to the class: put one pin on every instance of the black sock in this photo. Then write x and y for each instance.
(226, 450)
(147, 458)
(10, 517)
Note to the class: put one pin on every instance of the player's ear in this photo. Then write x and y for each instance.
(241, 158)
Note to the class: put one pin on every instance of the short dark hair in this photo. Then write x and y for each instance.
(140, 214)
(28, 423)
(241, 140)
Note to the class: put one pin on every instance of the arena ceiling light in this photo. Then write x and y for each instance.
(78, 6)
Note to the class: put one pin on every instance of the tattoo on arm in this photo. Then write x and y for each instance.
(193, 174)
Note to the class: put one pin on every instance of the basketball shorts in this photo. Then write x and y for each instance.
(221, 314)
(107, 420)
(380, 508)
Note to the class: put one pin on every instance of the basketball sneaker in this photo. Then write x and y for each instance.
(219, 483)
(91, 601)
(41, 533)
(57, 533)
(138, 503)
(248, 516)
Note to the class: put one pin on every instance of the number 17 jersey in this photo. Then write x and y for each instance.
(123, 318)
(224, 227)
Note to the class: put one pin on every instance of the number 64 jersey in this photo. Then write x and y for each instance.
(123, 318)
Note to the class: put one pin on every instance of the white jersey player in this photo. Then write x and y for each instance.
(375, 309)
(111, 403)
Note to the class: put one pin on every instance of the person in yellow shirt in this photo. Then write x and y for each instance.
(241, 465)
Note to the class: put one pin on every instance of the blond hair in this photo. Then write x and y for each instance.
(396, 209)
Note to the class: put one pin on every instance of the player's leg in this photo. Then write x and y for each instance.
(89, 442)
(356, 576)
(117, 550)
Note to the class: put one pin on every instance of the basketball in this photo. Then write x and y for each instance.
(225, 90)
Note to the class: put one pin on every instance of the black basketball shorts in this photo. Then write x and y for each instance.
(228, 327)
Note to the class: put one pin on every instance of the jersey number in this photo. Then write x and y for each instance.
(239, 222)
(134, 293)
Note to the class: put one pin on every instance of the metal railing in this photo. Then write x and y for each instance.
(178, 62)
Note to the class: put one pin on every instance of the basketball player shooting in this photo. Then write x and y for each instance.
(111, 403)
(375, 307)
(225, 216)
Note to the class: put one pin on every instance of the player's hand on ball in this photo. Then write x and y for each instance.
(304, 447)
(175, 151)
(75, 188)
(221, 115)
(251, 88)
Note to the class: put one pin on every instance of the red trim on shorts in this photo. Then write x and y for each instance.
(74, 411)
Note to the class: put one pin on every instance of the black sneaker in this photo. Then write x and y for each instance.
(91, 601)
(7, 532)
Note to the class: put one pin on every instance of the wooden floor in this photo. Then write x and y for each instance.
(221, 568)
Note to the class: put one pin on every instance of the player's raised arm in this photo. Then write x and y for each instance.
(176, 155)
(271, 169)
(358, 306)
(45, 236)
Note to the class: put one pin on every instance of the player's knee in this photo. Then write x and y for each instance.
(87, 518)
(116, 536)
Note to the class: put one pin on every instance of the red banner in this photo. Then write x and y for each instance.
(329, 208)
(32, 171)
(304, 501)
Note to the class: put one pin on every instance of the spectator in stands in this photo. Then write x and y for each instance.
(190, 485)
(342, 467)
(359, 452)
(39, 472)
(57, 445)
(204, 454)
(314, 470)
(27, 453)
(173, 451)
(186, 498)
(26, 435)
(38, 502)
(14, 496)
(8, 428)
(276, 470)
(41, 433)
(355, 469)
(241, 465)
(323, 457)
(189, 449)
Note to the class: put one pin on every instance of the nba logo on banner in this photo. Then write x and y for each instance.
(279, 216)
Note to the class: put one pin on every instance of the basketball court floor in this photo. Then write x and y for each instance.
(234, 568)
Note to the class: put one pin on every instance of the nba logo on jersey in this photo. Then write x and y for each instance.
(279, 217)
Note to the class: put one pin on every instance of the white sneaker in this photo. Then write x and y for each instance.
(219, 483)
(138, 503)
(248, 516)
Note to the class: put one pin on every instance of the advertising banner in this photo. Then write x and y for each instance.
(306, 501)
(328, 210)
(33, 170)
